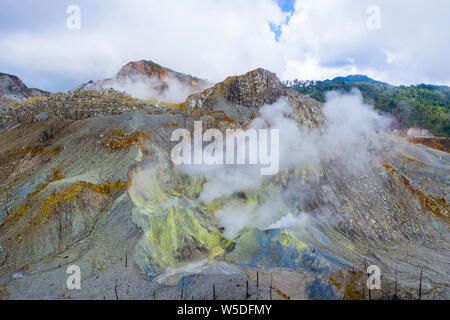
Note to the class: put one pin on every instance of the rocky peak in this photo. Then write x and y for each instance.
(252, 89)
(149, 81)
(142, 68)
(12, 88)
(10, 83)
(151, 70)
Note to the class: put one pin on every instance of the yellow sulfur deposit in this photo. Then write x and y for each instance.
(171, 231)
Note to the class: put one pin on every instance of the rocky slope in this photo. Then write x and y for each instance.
(91, 183)
(13, 91)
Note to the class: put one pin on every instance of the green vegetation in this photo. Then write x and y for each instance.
(426, 106)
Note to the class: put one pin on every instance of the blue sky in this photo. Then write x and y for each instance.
(305, 39)
(287, 6)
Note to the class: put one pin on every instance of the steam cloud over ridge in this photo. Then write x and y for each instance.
(171, 90)
(349, 132)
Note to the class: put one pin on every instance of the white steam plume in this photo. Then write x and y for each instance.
(350, 128)
(169, 90)
(345, 139)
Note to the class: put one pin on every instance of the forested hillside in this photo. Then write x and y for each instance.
(421, 105)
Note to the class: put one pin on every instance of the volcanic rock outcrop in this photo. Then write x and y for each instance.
(238, 98)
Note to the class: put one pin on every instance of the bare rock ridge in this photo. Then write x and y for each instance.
(12, 89)
(77, 104)
(235, 99)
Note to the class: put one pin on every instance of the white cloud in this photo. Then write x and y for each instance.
(214, 39)
(410, 47)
